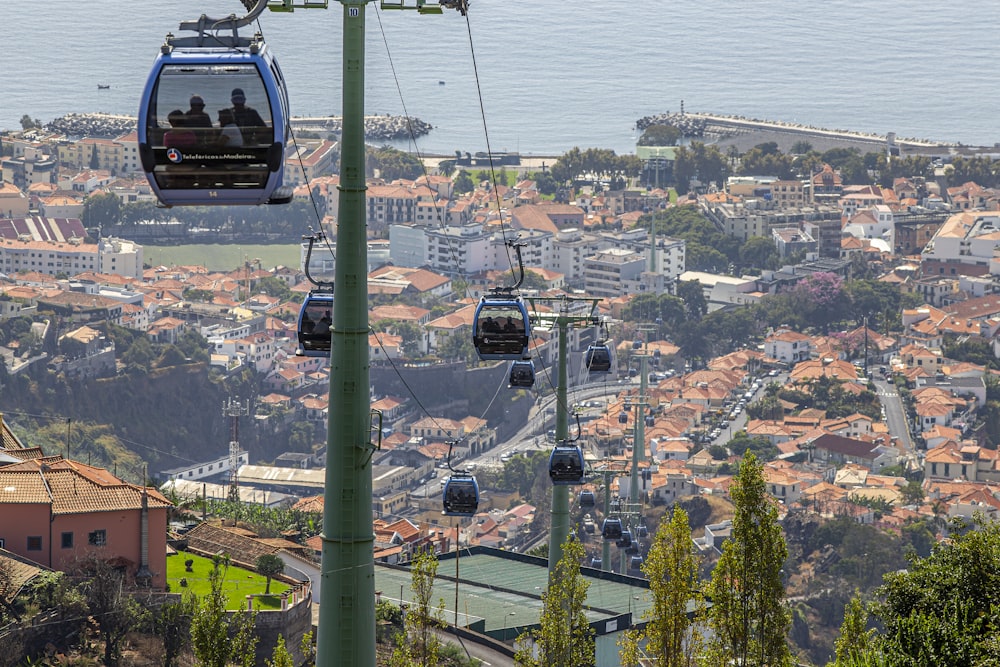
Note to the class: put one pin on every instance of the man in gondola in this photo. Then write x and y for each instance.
(246, 117)
(196, 114)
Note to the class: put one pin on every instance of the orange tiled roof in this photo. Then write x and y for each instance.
(71, 487)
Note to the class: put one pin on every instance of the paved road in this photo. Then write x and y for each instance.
(895, 414)
(480, 651)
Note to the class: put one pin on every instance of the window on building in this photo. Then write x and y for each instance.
(98, 538)
(67, 540)
(35, 543)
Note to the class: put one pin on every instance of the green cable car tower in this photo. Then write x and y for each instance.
(346, 631)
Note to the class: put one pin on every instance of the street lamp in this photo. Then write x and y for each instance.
(503, 637)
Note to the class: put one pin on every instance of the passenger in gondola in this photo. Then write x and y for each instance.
(196, 114)
(247, 118)
(510, 326)
(180, 134)
(230, 135)
(308, 325)
(323, 326)
(490, 325)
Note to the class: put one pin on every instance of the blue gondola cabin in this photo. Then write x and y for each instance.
(213, 123)
(500, 329)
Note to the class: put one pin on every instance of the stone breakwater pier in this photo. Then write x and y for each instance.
(745, 133)
(105, 125)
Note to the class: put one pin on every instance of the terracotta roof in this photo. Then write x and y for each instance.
(71, 487)
(212, 538)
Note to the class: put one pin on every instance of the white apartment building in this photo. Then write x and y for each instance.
(570, 248)
(606, 272)
(877, 223)
(460, 250)
(964, 245)
(537, 250)
(71, 257)
(119, 257)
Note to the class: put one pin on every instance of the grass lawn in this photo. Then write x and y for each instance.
(238, 583)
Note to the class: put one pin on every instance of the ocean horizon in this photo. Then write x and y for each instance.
(541, 80)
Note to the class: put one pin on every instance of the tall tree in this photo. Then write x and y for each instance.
(269, 566)
(671, 636)
(563, 638)
(418, 644)
(748, 616)
(217, 638)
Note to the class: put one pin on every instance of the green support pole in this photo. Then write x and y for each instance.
(560, 494)
(639, 443)
(606, 544)
(346, 631)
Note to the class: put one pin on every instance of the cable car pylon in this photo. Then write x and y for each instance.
(565, 311)
(346, 630)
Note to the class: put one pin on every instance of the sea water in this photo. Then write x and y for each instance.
(543, 77)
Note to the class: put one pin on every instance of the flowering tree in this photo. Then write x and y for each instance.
(821, 296)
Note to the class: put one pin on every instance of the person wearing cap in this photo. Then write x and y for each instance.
(246, 117)
(196, 114)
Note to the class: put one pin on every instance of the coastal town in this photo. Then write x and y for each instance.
(885, 419)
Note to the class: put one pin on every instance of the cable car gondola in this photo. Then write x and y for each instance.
(625, 540)
(596, 562)
(214, 118)
(632, 548)
(315, 324)
(650, 420)
(500, 329)
(642, 531)
(611, 529)
(461, 495)
(522, 373)
(587, 499)
(623, 417)
(598, 359)
(635, 562)
(566, 466)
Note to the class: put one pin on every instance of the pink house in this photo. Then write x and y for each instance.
(55, 511)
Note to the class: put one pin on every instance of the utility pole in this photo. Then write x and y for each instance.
(565, 311)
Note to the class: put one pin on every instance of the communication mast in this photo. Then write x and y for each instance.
(234, 410)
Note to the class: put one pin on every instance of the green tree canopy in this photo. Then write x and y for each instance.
(393, 164)
(659, 135)
(269, 566)
(563, 638)
(748, 617)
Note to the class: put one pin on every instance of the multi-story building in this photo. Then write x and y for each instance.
(33, 166)
(788, 346)
(569, 248)
(93, 153)
(606, 272)
(389, 205)
(55, 511)
(460, 250)
(120, 257)
(964, 245)
(13, 202)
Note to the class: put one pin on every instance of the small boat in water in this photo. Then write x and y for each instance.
(103, 86)
(440, 83)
